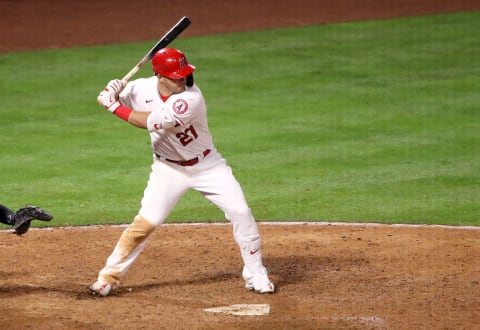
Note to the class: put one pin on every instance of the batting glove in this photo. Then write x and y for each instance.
(108, 100)
(114, 86)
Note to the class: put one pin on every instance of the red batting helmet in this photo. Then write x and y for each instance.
(171, 63)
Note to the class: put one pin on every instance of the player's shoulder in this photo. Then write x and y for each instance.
(192, 93)
(141, 86)
(191, 100)
(144, 81)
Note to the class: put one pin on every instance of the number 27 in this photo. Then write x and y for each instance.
(187, 136)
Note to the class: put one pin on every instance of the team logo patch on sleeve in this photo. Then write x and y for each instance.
(180, 106)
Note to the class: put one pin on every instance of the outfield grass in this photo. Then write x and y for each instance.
(368, 122)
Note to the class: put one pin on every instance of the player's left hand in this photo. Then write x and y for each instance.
(108, 98)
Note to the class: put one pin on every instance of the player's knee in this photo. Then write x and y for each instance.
(239, 214)
(136, 233)
(244, 225)
(141, 227)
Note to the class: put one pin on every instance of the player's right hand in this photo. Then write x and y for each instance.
(114, 86)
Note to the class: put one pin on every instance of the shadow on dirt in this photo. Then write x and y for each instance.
(285, 270)
(196, 279)
(295, 269)
(18, 290)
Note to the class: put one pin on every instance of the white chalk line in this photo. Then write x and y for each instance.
(371, 224)
(372, 320)
(272, 223)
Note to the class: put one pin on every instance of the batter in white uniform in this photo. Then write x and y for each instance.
(172, 108)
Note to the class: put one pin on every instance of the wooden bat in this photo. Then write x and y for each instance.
(174, 32)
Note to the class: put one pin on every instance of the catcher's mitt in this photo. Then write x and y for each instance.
(25, 215)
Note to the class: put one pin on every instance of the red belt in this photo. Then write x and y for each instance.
(190, 162)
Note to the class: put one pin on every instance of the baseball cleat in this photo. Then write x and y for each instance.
(269, 288)
(101, 288)
(259, 283)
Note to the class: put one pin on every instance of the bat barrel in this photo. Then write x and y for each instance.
(171, 35)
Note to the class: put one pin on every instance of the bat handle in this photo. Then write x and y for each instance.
(130, 75)
(134, 70)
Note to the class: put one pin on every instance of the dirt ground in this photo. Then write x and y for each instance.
(329, 276)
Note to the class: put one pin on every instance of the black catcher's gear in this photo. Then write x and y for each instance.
(25, 215)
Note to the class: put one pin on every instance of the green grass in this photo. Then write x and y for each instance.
(369, 122)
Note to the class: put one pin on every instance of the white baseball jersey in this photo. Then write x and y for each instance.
(190, 137)
(187, 138)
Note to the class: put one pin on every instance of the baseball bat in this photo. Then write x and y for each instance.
(174, 32)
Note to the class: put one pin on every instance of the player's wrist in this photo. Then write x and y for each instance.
(122, 112)
(113, 107)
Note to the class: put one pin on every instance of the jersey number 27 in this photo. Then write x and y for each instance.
(187, 136)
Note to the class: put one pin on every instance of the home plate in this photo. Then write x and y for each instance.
(241, 309)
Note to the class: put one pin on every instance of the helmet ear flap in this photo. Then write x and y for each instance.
(190, 80)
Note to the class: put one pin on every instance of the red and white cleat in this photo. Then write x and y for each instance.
(101, 288)
(259, 283)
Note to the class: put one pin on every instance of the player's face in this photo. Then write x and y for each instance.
(171, 86)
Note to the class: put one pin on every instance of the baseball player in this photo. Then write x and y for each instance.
(172, 108)
(21, 219)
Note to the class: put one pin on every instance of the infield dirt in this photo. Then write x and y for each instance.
(329, 276)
